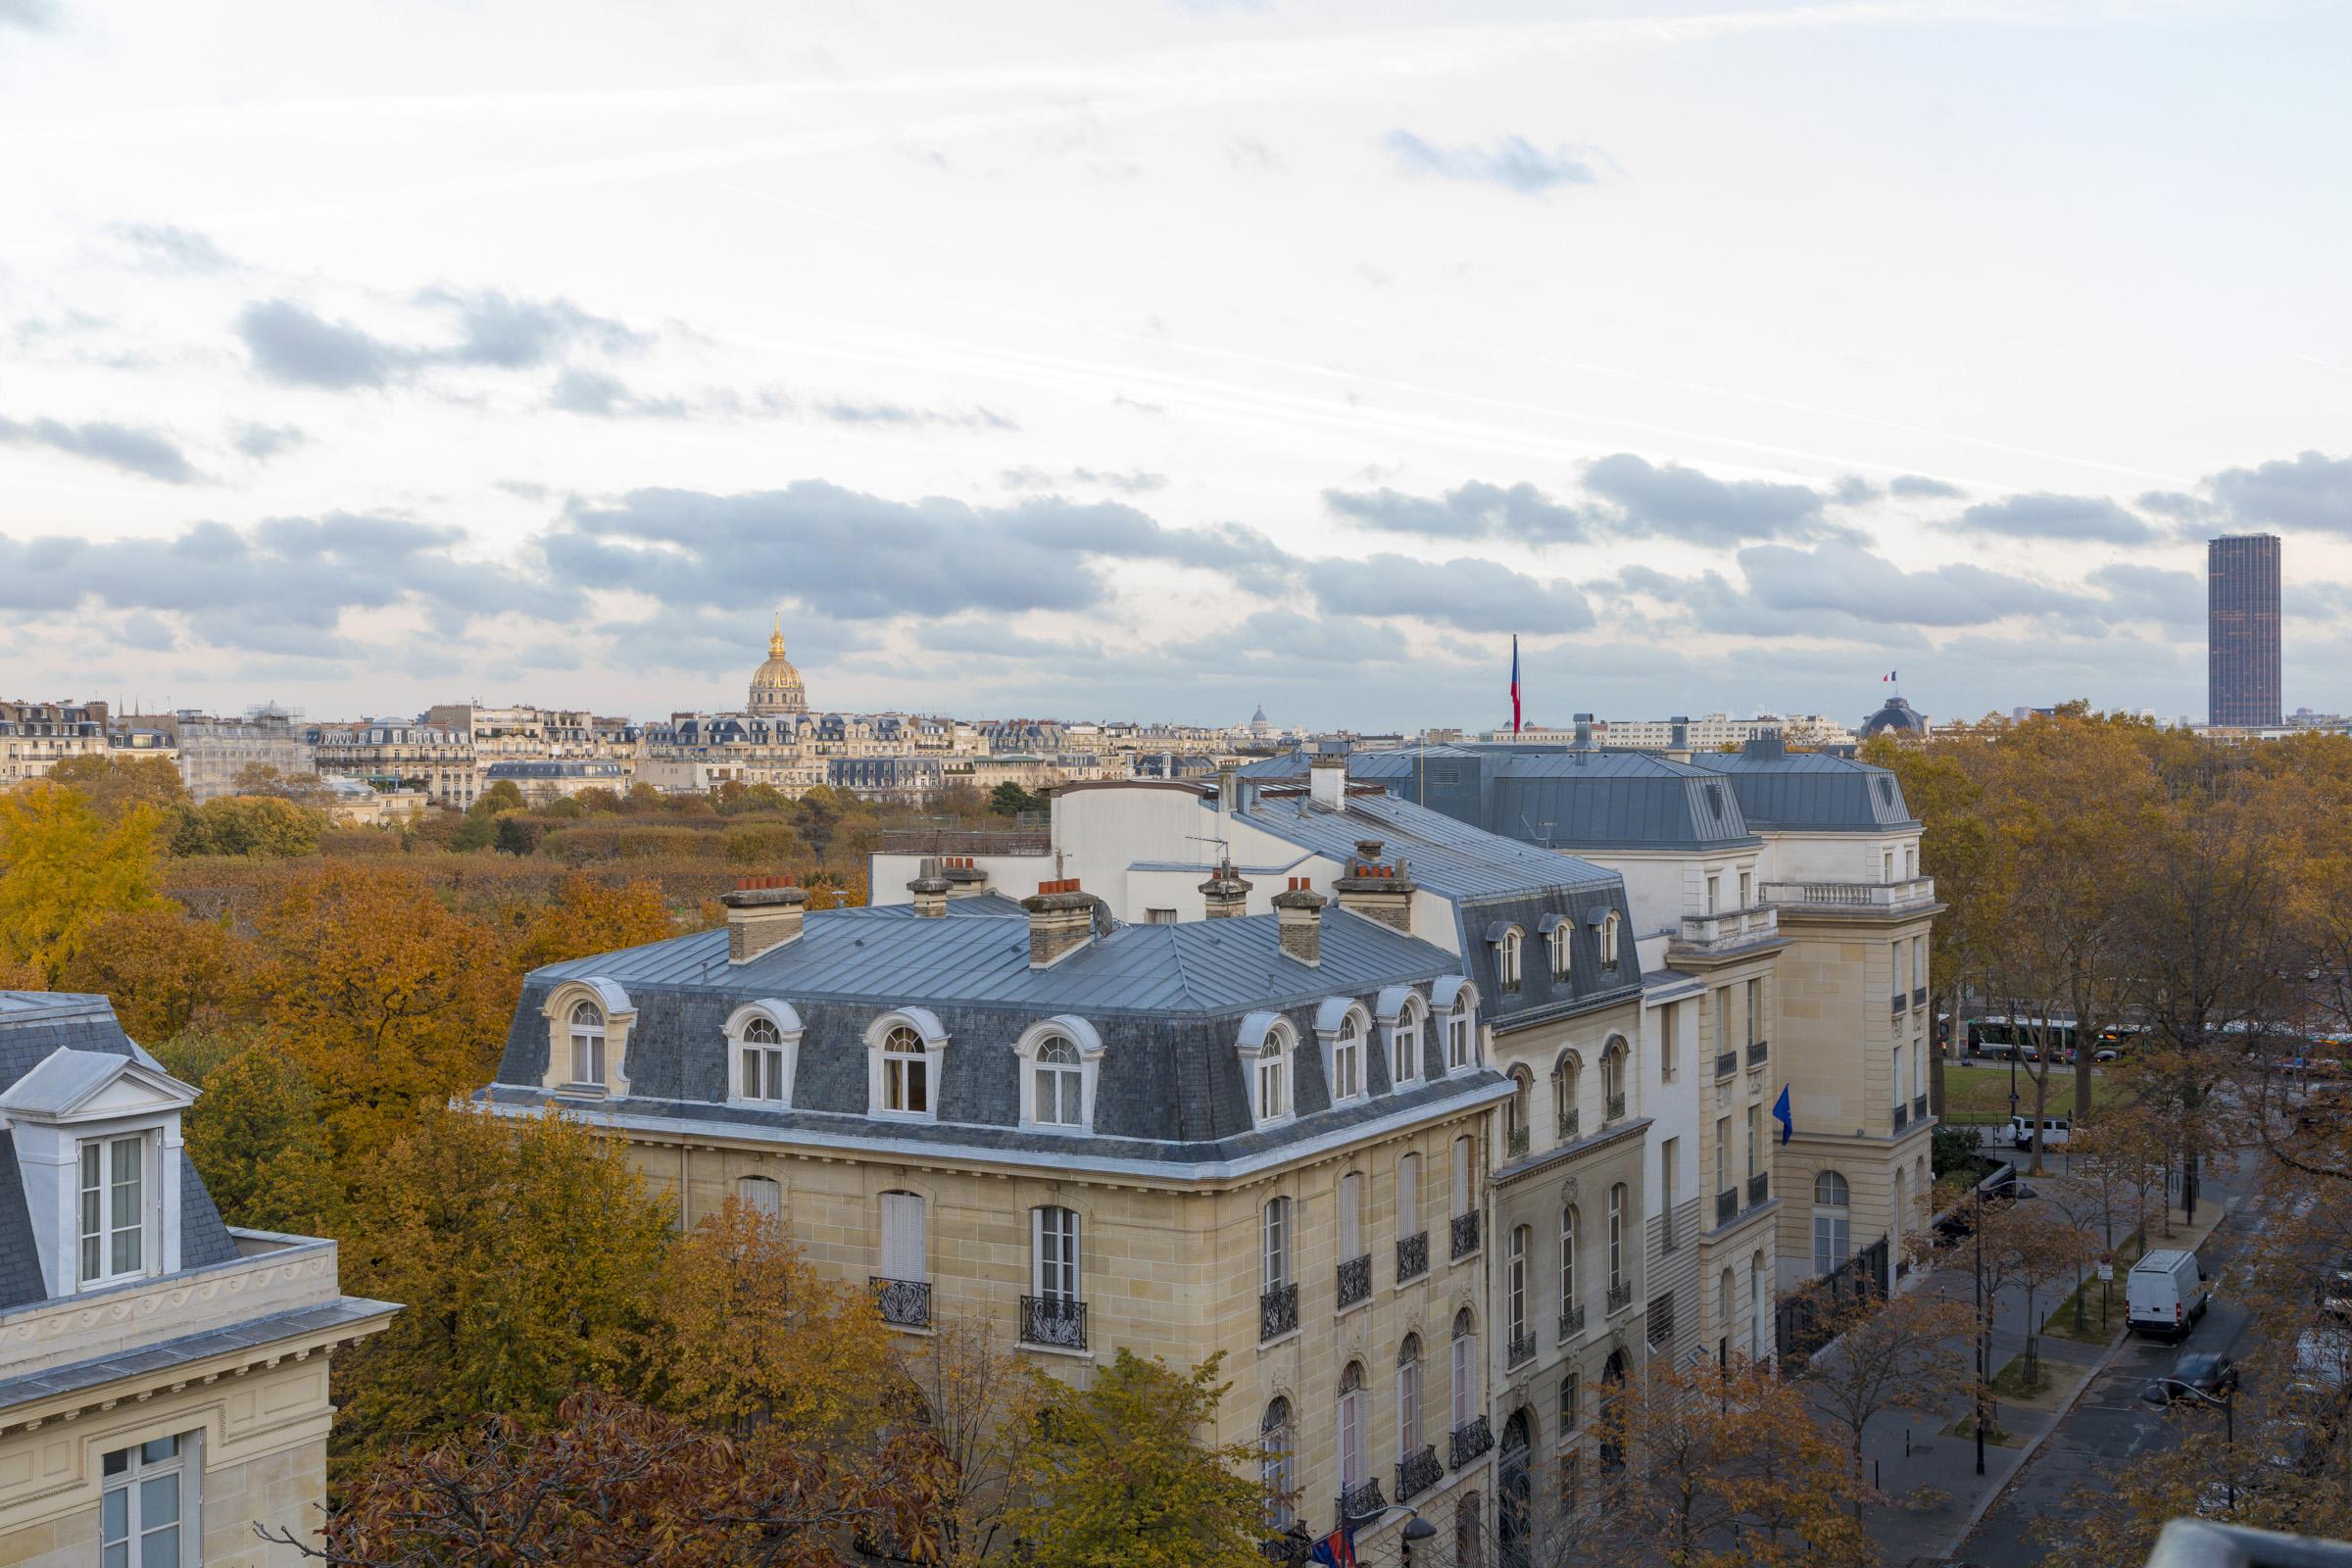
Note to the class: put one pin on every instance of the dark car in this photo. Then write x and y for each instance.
(2198, 1372)
(2002, 1187)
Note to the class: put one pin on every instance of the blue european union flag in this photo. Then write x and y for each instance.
(1780, 1113)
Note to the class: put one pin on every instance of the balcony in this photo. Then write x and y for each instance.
(1902, 1000)
(1465, 1235)
(1277, 1312)
(1758, 1052)
(1919, 1107)
(1616, 1108)
(1355, 1280)
(1621, 1297)
(1514, 1142)
(904, 1303)
(1520, 1351)
(1902, 1118)
(1470, 1440)
(1727, 1064)
(1727, 929)
(1412, 1256)
(1727, 1205)
(1852, 897)
(1417, 1472)
(1570, 1122)
(1759, 1188)
(1056, 1322)
(1572, 1323)
(1919, 996)
(1360, 1502)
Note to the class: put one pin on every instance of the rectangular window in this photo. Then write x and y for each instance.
(1723, 1019)
(1919, 963)
(1159, 917)
(762, 1073)
(904, 1256)
(1667, 1053)
(1910, 860)
(1887, 866)
(1277, 1245)
(142, 1505)
(1714, 894)
(1723, 1153)
(1055, 1267)
(1899, 1079)
(1746, 890)
(1457, 1041)
(1756, 1011)
(1464, 1199)
(1755, 1138)
(113, 1208)
(1409, 1196)
(1351, 1217)
(1572, 1401)
(1670, 1154)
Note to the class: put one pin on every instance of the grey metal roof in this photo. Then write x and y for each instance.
(1810, 791)
(34, 1025)
(1444, 855)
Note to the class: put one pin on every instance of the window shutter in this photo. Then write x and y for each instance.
(904, 1256)
(1409, 1196)
(1352, 1194)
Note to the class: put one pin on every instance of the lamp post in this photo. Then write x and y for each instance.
(1416, 1528)
(2229, 1407)
(1980, 1332)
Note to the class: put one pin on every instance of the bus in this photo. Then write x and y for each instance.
(2003, 1036)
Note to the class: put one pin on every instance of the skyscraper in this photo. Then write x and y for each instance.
(2241, 630)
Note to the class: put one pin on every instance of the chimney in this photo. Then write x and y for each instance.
(1229, 790)
(930, 890)
(1227, 893)
(1377, 892)
(1327, 780)
(1062, 920)
(1765, 746)
(763, 913)
(963, 877)
(1299, 917)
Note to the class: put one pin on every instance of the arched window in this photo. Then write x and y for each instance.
(1567, 1081)
(1832, 1221)
(1608, 941)
(1348, 1060)
(1516, 1286)
(1461, 1054)
(1275, 1231)
(1352, 1427)
(1465, 1369)
(1507, 958)
(761, 1196)
(906, 1072)
(1469, 1533)
(1515, 1110)
(1568, 1300)
(763, 1060)
(1058, 1083)
(1562, 951)
(1613, 1395)
(1408, 1397)
(1612, 1080)
(1267, 1044)
(1617, 1257)
(587, 1044)
(1404, 1044)
(1275, 1448)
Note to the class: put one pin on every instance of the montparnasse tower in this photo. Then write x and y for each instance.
(777, 687)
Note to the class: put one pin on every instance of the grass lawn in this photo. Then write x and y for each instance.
(2061, 1323)
(1981, 1093)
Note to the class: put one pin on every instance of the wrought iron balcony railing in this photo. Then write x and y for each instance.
(1277, 1311)
(1902, 1118)
(904, 1303)
(1569, 1123)
(1617, 1106)
(1621, 1297)
(1515, 1142)
(1572, 1322)
(1470, 1440)
(1759, 1188)
(1727, 1205)
(1727, 1064)
(1417, 1472)
(1355, 1280)
(1059, 1321)
(1412, 1256)
(1465, 1235)
(1757, 1051)
(1902, 1000)
(1919, 1107)
(1520, 1351)
(1360, 1502)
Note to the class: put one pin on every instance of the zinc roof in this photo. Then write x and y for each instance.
(1443, 855)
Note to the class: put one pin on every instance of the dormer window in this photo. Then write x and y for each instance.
(96, 1140)
(1404, 1044)
(906, 1049)
(1507, 958)
(1058, 1059)
(115, 1210)
(1608, 941)
(1267, 1045)
(588, 1023)
(587, 1044)
(1343, 1026)
(763, 1040)
(1562, 951)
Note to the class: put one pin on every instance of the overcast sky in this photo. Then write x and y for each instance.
(1158, 360)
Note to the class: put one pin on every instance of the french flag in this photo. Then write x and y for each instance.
(1514, 684)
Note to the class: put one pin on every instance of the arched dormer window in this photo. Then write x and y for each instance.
(588, 1033)
(1405, 1014)
(1563, 952)
(1455, 1002)
(1344, 1028)
(905, 1051)
(1267, 1047)
(1058, 1060)
(1507, 958)
(764, 1048)
(1608, 940)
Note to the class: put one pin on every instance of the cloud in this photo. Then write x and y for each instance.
(1513, 163)
(844, 412)
(295, 347)
(1468, 593)
(1282, 639)
(517, 334)
(118, 446)
(262, 442)
(1854, 490)
(1134, 482)
(592, 392)
(1852, 580)
(2043, 515)
(1677, 503)
(1474, 510)
(34, 16)
(1114, 531)
(1919, 487)
(167, 248)
(2137, 593)
(2312, 492)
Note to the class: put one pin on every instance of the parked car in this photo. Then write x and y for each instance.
(2001, 1187)
(2018, 1132)
(2165, 1293)
(2198, 1372)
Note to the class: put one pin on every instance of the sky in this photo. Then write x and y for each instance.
(1161, 360)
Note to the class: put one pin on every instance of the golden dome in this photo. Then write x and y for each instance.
(775, 685)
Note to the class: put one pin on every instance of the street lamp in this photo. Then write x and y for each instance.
(1416, 1528)
(1980, 1334)
(2228, 1408)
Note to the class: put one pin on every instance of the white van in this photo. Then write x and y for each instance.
(2054, 1132)
(2166, 1291)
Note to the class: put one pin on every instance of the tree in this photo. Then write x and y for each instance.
(262, 780)
(64, 868)
(1904, 1353)
(588, 914)
(114, 785)
(254, 1137)
(529, 1260)
(504, 795)
(2027, 1246)
(517, 834)
(1724, 1466)
(163, 970)
(1011, 800)
(260, 825)
(1119, 1475)
(973, 1387)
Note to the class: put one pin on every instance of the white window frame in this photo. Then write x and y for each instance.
(1617, 1274)
(1404, 1044)
(1346, 1061)
(903, 1237)
(1352, 1216)
(1568, 1219)
(99, 1224)
(1352, 1399)
(1833, 1221)
(131, 1484)
(1408, 1397)
(619, 1018)
(930, 1041)
(1563, 950)
(1275, 1240)
(1608, 941)
(1463, 1389)
(1508, 958)
(1276, 1456)
(589, 1039)
(1409, 1196)
(1269, 1051)
(782, 1054)
(1087, 1045)
(1516, 1290)
(1056, 1254)
(761, 1195)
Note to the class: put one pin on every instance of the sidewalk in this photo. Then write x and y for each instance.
(1910, 1454)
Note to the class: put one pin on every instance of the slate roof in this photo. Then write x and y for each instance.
(146, 1362)
(32, 1025)
(1813, 792)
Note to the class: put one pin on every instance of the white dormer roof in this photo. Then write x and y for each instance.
(85, 1086)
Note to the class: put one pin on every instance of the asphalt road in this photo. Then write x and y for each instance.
(2109, 1423)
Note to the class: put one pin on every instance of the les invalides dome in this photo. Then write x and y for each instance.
(775, 685)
